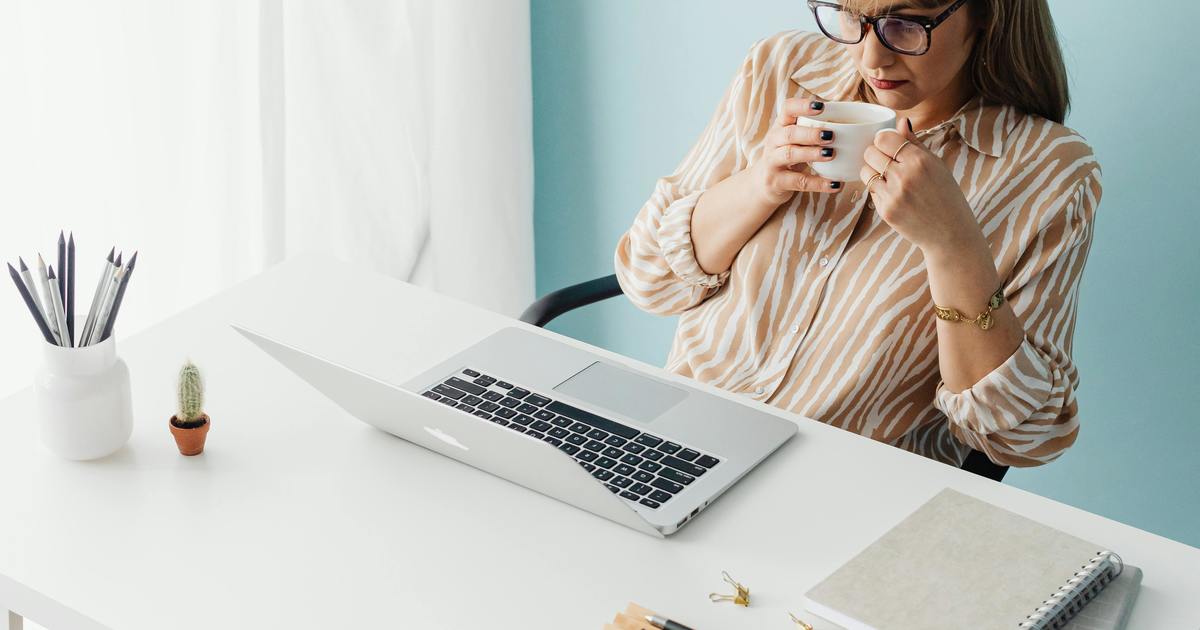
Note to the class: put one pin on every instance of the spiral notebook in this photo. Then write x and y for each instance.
(958, 562)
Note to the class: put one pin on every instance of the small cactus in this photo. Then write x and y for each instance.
(191, 396)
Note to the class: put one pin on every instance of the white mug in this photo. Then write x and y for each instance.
(850, 139)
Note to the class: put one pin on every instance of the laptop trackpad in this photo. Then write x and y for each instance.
(626, 392)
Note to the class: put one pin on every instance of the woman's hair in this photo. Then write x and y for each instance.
(1017, 60)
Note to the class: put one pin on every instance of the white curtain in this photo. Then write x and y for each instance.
(220, 136)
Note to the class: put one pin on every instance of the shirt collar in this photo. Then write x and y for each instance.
(828, 72)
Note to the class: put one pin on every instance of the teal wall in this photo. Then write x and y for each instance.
(622, 88)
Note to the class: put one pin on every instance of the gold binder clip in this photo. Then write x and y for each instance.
(800, 622)
(742, 598)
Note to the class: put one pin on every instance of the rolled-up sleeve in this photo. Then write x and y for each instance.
(655, 261)
(1024, 412)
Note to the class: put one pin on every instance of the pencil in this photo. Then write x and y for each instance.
(56, 287)
(33, 307)
(70, 281)
(105, 312)
(46, 289)
(96, 297)
(112, 318)
(62, 265)
(29, 284)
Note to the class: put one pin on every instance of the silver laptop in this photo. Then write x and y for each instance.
(619, 443)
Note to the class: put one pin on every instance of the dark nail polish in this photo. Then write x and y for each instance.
(835, 185)
(827, 152)
(827, 135)
(817, 105)
(909, 125)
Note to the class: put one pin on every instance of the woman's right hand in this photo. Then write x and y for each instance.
(779, 173)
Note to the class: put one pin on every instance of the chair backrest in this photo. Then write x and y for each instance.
(553, 304)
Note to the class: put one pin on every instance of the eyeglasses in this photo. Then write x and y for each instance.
(905, 34)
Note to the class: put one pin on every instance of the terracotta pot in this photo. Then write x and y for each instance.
(190, 441)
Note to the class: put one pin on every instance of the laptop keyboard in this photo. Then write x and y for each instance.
(639, 467)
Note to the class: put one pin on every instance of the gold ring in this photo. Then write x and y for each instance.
(906, 143)
(885, 168)
(872, 180)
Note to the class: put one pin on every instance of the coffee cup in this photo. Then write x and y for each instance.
(854, 125)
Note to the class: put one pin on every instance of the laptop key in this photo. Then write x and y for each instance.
(650, 466)
(448, 401)
(605, 462)
(592, 419)
(559, 432)
(603, 475)
(522, 419)
(587, 455)
(527, 408)
(538, 425)
(503, 385)
(613, 452)
(688, 454)
(634, 447)
(577, 439)
(534, 399)
(653, 455)
(660, 496)
(569, 449)
(632, 460)
(517, 392)
(597, 434)
(650, 503)
(641, 488)
(643, 476)
(615, 440)
(483, 414)
(670, 448)
(432, 396)
(707, 461)
(505, 412)
(471, 373)
(448, 392)
(649, 440)
(612, 488)
(622, 482)
(542, 414)
(560, 421)
(535, 434)
(500, 421)
(470, 388)
(624, 469)
(687, 467)
(472, 400)
(669, 486)
(484, 381)
(586, 466)
(594, 445)
(552, 441)
(465, 407)
(676, 476)
(489, 406)
(580, 427)
(625, 494)
(492, 396)
(516, 427)
(511, 403)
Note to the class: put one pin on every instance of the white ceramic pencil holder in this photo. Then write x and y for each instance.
(84, 406)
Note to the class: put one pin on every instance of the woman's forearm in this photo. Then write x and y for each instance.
(725, 218)
(964, 278)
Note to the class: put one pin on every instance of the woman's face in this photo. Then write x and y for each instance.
(937, 78)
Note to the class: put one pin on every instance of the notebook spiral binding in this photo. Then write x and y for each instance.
(1085, 584)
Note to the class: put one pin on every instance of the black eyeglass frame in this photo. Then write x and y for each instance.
(924, 22)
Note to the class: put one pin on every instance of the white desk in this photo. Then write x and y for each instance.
(299, 516)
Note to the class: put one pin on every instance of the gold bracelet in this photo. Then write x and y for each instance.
(984, 320)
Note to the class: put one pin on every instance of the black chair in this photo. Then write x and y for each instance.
(579, 295)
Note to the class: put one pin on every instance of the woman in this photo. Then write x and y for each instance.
(929, 305)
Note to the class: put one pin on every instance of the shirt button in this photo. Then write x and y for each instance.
(824, 261)
(795, 328)
(759, 391)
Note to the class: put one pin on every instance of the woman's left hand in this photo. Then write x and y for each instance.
(917, 195)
